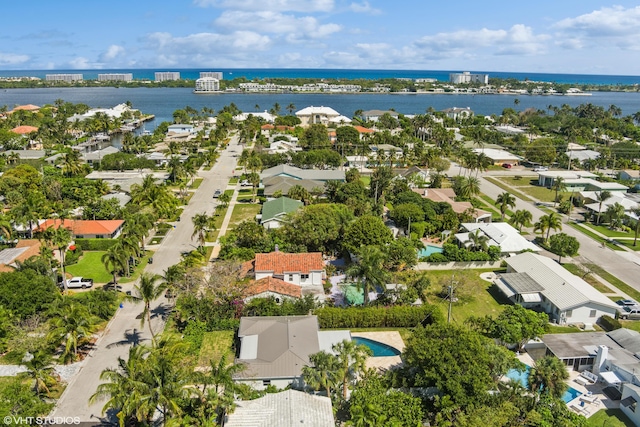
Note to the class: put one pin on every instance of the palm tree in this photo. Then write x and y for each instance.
(73, 327)
(558, 185)
(223, 387)
(521, 218)
(40, 370)
(202, 224)
(505, 201)
(114, 261)
(548, 376)
(368, 270)
(479, 241)
(61, 237)
(321, 375)
(291, 108)
(351, 361)
(602, 197)
(546, 223)
(71, 165)
(147, 291)
(615, 213)
(224, 198)
(470, 187)
(298, 192)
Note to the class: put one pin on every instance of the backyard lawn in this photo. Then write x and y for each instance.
(476, 297)
(243, 212)
(90, 265)
(604, 230)
(214, 345)
(609, 418)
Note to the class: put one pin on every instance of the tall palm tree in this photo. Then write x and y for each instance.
(351, 361)
(504, 202)
(368, 270)
(321, 375)
(291, 108)
(202, 224)
(521, 218)
(40, 371)
(298, 192)
(114, 261)
(470, 187)
(615, 213)
(546, 223)
(146, 291)
(219, 387)
(549, 376)
(61, 237)
(602, 197)
(558, 185)
(479, 241)
(72, 327)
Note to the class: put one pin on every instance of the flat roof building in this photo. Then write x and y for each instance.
(115, 77)
(207, 84)
(63, 77)
(467, 77)
(213, 74)
(162, 76)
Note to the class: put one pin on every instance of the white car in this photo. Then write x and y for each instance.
(540, 169)
(79, 282)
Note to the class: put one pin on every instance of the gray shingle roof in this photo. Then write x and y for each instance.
(314, 174)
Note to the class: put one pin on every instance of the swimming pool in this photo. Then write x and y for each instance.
(523, 378)
(429, 249)
(379, 349)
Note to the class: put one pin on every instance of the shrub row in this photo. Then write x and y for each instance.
(377, 317)
(95, 244)
(608, 323)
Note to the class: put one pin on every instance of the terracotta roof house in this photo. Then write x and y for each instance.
(287, 408)
(273, 349)
(24, 129)
(87, 229)
(24, 250)
(272, 287)
(274, 212)
(302, 269)
(28, 107)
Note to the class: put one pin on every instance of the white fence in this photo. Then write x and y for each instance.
(457, 265)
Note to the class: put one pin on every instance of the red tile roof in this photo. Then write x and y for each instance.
(28, 107)
(281, 262)
(24, 129)
(272, 284)
(363, 129)
(84, 227)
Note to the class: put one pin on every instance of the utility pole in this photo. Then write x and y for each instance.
(451, 288)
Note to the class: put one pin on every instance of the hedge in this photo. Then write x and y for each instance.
(608, 323)
(95, 244)
(377, 317)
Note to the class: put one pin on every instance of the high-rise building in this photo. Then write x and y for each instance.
(214, 74)
(207, 84)
(167, 75)
(63, 77)
(115, 77)
(467, 77)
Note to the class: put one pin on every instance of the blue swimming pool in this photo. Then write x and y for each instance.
(429, 249)
(379, 349)
(523, 378)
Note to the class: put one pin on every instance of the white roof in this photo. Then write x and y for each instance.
(627, 203)
(264, 115)
(582, 155)
(340, 119)
(495, 154)
(500, 234)
(567, 174)
(323, 111)
(561, 288)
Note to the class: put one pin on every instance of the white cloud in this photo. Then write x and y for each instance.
(112, 53)
(12, 58)
(80, 63)
(364, 7)
(277, 23)
(279, 5)
(207, 43)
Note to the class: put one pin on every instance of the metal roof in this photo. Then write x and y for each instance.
(314, 174)
(500, 234)
(521, 282)
(279, 207)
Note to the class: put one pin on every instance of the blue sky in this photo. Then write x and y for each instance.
(560, 36)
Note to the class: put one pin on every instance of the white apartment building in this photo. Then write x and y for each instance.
(162, 76)
(214, 74)
(115, 77)
(63, 77)
(467, 77)
(207, 84)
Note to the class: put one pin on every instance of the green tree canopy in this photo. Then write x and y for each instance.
(367, 230)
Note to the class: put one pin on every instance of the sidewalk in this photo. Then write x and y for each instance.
(225, 222)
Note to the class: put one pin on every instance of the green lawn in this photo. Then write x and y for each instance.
(196, 183)
(243, 212)
(555, 329)
(573, 269)
(90, 266)
(476, 297)
(630, 324)
(595, 237)
(609, 418)
(214, 345)
(542, 194)
(508, 188)
(629, 244)
(233, 181)
(607, 231)
(518, 181)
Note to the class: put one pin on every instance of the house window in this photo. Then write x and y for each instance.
(290, 277)
(304, 276)
(266, 383)
(568, 313)
(592, 313)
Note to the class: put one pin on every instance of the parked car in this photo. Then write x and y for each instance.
(245, 183)
(540, 169)
(217, 193)
(79, 282)
(627, 302)
(112, 287)
(507, 165)
(629, 313)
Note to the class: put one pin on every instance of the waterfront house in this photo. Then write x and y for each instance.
(374, 115)
(312, 115)
(457, 113)
(180, 130)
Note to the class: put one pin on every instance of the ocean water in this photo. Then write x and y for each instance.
(162, 102)
(259, 73)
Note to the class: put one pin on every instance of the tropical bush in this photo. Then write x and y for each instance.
(377, 317)
(95, 244)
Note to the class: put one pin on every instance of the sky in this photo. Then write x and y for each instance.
(559, 36)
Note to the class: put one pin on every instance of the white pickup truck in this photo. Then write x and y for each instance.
(79, 282)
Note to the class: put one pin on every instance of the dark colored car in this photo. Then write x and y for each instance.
(507, 165)
(217, 193)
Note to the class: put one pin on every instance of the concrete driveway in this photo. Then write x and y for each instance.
(124, 329)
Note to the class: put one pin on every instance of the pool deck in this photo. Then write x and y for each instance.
(592, 393)
(391, 338)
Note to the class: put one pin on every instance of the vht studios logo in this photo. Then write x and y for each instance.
(41, 421)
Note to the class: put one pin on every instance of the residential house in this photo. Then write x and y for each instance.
(302, 269)
(374, 115)
(500, 234)
(357, 162)
(629, 202)
(314, 115)
(266, 116)
(274, 212)
(414, 175)
(27, 154)
(24, 130)
(288, 408)
(364, 132)
(87, 229)
(28, 107)
(546, 179)
(447, 195)
(498, 157)
(274, 349)
(629, 175)
(629, 402)
(340, 121)
(180, 130)
(271, 287)
(540, 283)
(282, 184)
(122, 198)
(580, 156)
(23, 250)
(125, 179)
(297, 173)
(387, 150)
(96, 156)
(457, 113)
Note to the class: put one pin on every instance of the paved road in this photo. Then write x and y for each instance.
(124, 329)
(624, 265)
